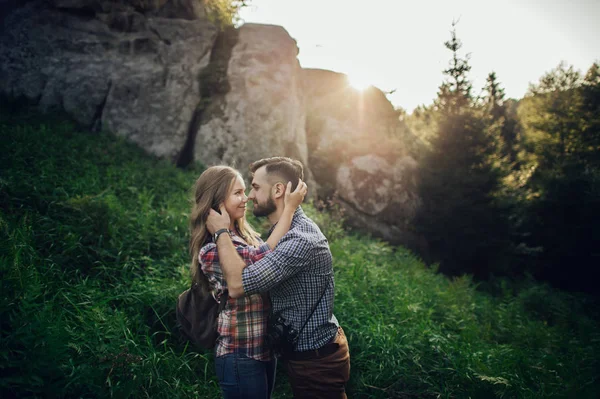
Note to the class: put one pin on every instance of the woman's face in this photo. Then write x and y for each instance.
(235, 203)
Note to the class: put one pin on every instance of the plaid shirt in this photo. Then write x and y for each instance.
(242, 325)
(295, 274)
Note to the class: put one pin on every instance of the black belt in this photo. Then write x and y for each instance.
(323, 351)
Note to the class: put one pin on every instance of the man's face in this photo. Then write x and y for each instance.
(260, 194)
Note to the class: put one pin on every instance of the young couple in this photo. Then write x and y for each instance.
(290, 275)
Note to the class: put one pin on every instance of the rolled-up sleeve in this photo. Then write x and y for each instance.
(209, 257)
(290, 257)
(253, 254)
(209, 260)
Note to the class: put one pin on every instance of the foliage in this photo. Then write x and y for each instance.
(512, 187)
(503, 113)
(423, 125)
(495, 95)
(562, 133)
(93, 252)
(224, 13)
(455, 92)
(461, 219)
(92, 255)
(549, 114)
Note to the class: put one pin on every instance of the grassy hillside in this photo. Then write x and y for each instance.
(93, 252)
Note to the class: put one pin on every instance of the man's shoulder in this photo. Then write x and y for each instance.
(305, 229)
(301, 222)
(302, 219)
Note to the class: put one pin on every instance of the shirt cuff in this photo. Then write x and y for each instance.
(249, 288)
(264, 248)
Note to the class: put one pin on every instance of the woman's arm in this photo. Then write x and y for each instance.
(291, 200)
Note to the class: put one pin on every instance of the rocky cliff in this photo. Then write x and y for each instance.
(162, 75)
(356, 146)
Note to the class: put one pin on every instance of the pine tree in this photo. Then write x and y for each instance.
(495, 96)
(590, 137)
(459, 179)
(499, 111)
(455, 92)
(562, 131)
(550, 113)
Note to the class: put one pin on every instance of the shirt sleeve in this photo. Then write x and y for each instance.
(209, 257)
(292, 254)
(251, 254)
(209, 261)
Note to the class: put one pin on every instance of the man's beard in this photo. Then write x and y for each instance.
(264, 209)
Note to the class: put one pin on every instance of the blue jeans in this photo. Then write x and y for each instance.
(241, 377)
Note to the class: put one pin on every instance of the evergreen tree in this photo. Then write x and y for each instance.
(551, 116)
(455, 92)
(495, 96)
(590, 137)
(460, 218)
(501, 114)
(561, 127)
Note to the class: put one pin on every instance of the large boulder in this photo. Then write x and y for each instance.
(262, 111)
(380, 197)
(343, 122)
(110, 66)
(358, 153)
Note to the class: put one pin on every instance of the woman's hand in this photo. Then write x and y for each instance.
(216, 221)
(294, 198)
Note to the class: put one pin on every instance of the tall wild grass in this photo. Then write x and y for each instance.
(93, 253)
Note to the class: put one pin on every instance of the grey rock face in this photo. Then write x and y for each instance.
(343, 123)
(357, 152)
(136, 75)
(262, 114)
(366, 183)
(380, 197)
(158, 73)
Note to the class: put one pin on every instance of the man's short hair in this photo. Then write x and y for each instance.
(286, 169)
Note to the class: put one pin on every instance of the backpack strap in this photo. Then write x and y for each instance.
(314, 307)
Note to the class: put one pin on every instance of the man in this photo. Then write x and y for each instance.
(299, 277)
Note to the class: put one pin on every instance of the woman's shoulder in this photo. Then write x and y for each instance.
(209, 249)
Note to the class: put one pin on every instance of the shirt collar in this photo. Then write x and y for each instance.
(297, 213)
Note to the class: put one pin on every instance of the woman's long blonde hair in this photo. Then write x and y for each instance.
(212, 189)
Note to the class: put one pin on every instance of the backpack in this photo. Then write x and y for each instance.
(197, 313)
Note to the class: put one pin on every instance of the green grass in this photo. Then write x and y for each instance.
(93, 252)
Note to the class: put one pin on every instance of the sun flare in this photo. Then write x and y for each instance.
(358, 82)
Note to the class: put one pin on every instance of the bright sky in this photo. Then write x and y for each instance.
(396, 44)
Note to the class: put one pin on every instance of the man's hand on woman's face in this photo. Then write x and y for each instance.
(216, 221)
(294, 198)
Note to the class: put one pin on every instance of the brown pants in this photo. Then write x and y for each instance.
(321, 377)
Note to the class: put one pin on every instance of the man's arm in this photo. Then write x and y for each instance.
(211, 264)
(294, 254)
(232, 265)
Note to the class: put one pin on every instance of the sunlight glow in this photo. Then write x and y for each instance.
(399, 47)
(358, 82)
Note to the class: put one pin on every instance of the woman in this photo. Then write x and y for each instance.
(245, 366)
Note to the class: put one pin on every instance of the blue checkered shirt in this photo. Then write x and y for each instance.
(295, 274)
